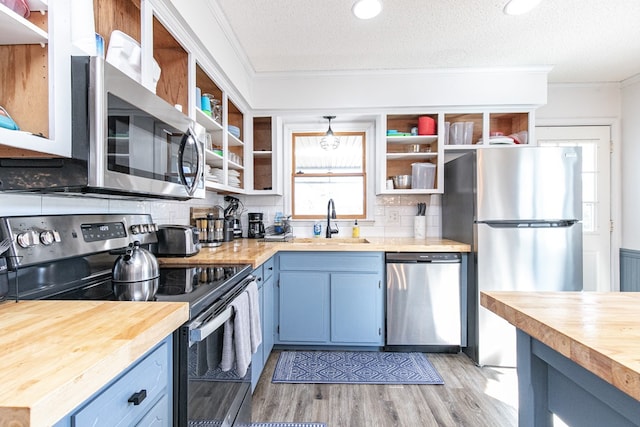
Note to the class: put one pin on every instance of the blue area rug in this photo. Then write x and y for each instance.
(358, 367)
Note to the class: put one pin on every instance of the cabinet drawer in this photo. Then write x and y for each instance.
(267, 268)
(112, 407)
(332, 261)
(258, 273)
(158, 416)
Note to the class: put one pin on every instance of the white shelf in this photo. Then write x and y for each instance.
(213, 159)
(210, 185)
(17, 30)
(410, 191)
(413, 139)
(207, 121)
(38, 5)
(416, 156)
(233, 141)
(24, 140)
(235, 166)
(262, 154)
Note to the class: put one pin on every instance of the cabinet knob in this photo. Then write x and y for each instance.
(137, 398)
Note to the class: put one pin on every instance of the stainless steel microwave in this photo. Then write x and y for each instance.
(125, 141)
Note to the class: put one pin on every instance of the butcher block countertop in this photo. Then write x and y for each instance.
(256, 251)
(56, 354)
(598, 331)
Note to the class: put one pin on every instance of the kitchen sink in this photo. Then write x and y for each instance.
(332, 241)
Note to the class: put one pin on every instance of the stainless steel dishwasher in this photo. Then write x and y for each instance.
(423, 301)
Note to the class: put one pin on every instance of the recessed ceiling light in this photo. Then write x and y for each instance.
(518, 7)
(367, 9)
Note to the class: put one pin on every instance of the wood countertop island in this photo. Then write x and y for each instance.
(56, 354)
(257, 251)
(578, 355)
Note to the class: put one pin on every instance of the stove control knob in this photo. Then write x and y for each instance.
(135, 229)
(47, 237)
(27, 239)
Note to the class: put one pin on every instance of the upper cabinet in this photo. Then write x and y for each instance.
(33, 95)
(465, 130)
(412, 147)
(415, 145)
(224, 124)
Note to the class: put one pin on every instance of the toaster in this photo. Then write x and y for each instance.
(177, 240)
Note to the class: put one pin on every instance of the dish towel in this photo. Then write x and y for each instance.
(236, 345)
(254, 316)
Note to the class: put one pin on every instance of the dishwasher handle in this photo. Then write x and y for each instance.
(423, 257)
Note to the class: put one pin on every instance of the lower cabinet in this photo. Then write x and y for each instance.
(328, 298)
(140, 396)
(265, 277)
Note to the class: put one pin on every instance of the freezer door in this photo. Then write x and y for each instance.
(521, 259)
(529, 183)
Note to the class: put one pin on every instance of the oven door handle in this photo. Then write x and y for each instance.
(203, 331)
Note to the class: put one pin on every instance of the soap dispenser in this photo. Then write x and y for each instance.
(355, 232)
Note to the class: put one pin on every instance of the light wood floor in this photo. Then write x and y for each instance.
(471, 396)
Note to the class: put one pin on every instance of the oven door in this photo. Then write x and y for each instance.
(212, 397)
(141, 141)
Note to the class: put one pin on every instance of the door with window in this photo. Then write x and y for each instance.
(596, 190)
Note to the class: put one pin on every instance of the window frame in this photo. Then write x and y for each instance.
(293, 174)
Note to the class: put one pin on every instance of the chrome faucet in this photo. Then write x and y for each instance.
(331, 214)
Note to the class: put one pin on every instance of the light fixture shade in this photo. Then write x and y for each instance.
(519, 7)
(366, 9)
(329, 141)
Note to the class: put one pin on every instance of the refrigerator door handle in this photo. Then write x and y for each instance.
(530, 224)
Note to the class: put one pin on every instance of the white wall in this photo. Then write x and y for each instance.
(631, 164)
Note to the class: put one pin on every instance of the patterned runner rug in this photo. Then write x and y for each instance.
(358, 367)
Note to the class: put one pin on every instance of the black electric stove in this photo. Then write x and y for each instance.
(70, 257)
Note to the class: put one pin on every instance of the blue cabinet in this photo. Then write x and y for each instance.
(356, 308)
(304, 307)
(331, 298)
(264, 276)
(141, 395)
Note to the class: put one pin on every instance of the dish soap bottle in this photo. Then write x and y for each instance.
(355, 232)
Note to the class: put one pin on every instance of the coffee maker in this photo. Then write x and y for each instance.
(256, 226)
(232, 225)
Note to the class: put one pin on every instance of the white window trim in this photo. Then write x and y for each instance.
(358, 125)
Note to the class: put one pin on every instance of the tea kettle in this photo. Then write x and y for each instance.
(136, 274)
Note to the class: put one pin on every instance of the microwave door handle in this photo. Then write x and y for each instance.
(196, 178)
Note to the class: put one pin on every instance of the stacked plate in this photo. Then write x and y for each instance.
(234, 130)
(234, 178)
(215, 175)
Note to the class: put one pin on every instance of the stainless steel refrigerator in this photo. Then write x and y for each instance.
(520, 209)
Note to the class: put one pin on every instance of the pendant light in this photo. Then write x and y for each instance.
(367, 9)
(329, 141)
(519, 7)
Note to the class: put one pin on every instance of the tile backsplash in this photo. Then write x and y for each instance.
(392, 216)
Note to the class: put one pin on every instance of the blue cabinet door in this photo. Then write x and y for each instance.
(268, 324)
(257, 359)
(304, 307)
(356, 308)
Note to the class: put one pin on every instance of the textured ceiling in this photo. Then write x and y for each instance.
(583, 40)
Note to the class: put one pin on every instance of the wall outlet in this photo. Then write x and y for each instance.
(393, 217)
